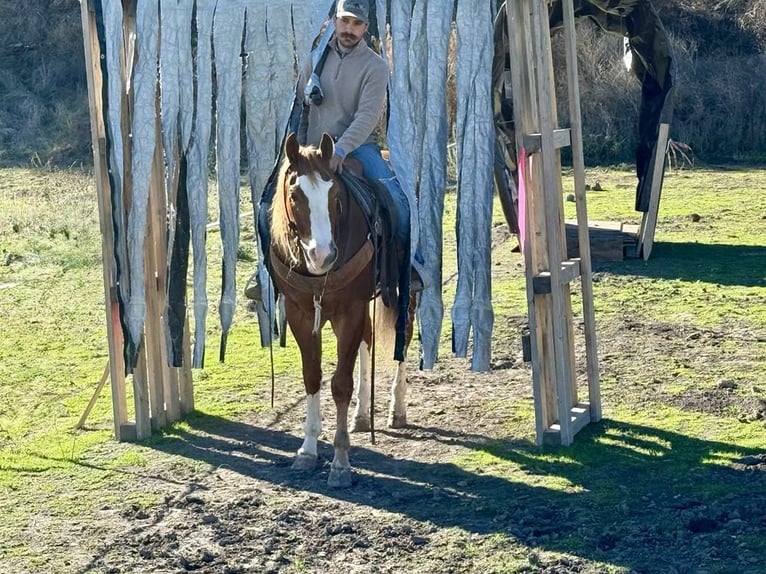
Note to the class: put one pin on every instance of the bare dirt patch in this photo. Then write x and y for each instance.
(413, 509)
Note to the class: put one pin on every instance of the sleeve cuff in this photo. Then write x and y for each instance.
(339, 152)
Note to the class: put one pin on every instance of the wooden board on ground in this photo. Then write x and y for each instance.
(609, 240)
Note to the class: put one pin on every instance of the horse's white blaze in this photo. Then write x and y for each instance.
(312, 427)
(320, 244)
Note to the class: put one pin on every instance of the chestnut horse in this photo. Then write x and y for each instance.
(323, 261)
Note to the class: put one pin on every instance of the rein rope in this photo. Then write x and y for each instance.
(318, 307)
(373, 335)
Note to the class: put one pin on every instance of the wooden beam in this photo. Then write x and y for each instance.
(579, 417)
(155, 248)
(649, 221)
(570, 270)
(561, 312)
(104, 197)
(92, 402)
(533, 142)
(586, 272)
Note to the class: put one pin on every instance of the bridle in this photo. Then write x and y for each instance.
(294, 232)
(343, 272)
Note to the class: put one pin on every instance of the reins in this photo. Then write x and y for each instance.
(335, 279)
(373, 330)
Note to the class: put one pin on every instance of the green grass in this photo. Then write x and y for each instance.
(706, 280)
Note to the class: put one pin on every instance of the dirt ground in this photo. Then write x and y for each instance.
(241, 509)
(246, 510)
(232, 504)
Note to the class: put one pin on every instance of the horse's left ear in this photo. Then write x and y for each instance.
(291, 148)
(326, 147)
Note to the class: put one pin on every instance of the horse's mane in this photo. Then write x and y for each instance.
(309, 161)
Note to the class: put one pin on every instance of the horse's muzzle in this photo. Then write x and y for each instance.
(320, 259)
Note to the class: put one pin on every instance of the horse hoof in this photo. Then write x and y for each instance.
(340, 478)
(361, 424)
(397, 421)
(304, 462)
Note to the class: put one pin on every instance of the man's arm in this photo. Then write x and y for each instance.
(372, 99)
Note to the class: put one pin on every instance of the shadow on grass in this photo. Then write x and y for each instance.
(624, 494)
(743, 265)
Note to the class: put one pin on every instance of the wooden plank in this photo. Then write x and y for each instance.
(604, 245)
(128, 432)
(649, 221)
(570, 270)
(606, 225)
(553, 214)
(154, 249)
(186, 388)
(103, 194)
(525, 112)
(141, 400)
(92, 402)
(575, 114)
(579, 417)
(533, 142)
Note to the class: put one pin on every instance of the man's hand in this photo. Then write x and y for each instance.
(336, 163)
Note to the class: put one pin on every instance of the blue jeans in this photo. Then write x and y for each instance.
(375, 167)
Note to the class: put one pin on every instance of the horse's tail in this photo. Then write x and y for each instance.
(384, 326)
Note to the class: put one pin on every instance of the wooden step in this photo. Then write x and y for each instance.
(609, 240)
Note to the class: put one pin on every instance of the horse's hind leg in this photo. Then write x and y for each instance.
(361, 420)
(397, 414)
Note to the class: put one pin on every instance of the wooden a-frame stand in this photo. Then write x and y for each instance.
(161, 393)
(559, 413)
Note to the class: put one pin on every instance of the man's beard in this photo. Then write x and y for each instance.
(349, 40)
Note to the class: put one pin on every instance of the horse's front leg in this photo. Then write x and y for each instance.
(311, 356)
(348, 332)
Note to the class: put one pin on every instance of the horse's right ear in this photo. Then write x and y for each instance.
(291, 148)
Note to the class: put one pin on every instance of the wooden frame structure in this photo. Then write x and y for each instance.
(559, 413)
(161, 394)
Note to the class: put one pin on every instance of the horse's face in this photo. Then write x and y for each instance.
(312, 203)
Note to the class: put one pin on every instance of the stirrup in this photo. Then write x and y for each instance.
(416, 282)
(253, 288)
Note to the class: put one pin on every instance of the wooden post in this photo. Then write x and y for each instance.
(161, 393)
(103, 194)
(559, 415)
(586, 273)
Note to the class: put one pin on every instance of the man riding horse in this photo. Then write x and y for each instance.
(343, 93)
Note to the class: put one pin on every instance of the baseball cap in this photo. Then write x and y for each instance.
(359, 9)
